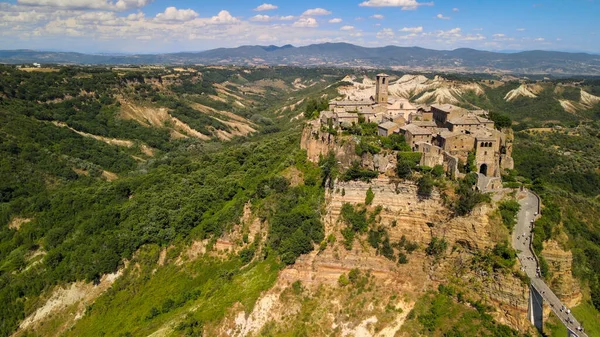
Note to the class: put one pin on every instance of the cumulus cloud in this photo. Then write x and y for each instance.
(405, 5)
(540, 39)
(476, 37)
(498, 35)
(454, 32)
(335, 20)
(174, 14)
(377, 16)
(261, 18)
(265, 7)
(455, 9)
(267, 18)
(316, 11)
(347, 28)
(441, 17)
(306, 22)
(386, 33)
(120, 5)
(224, 17)
(520, 29)
(412, 29)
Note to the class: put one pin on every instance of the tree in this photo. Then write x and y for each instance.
(425, 186)
(369, 197)
(403, 169)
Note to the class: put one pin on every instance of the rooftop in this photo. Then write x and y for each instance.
(428, 124)
(346, 115)
(388, 125)
(415, 129)
(469, 120)
(449, 108)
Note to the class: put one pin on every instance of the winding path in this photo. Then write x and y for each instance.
(521, 240)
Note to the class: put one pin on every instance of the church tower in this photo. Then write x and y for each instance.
(381, 90)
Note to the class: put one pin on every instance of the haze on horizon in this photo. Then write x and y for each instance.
(146, 26)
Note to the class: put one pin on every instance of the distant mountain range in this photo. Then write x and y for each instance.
(341, 55)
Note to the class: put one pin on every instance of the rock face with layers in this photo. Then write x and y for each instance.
(318, 143)
(562, 282)
(405, 214)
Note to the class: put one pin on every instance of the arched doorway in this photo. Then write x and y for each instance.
(483, 169)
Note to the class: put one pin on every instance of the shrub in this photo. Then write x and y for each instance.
(425, 186)
(355, 172)
(438, 171)
(509, 210)
(369, 197)
(436, 247)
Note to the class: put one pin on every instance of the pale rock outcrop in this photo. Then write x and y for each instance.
(562, 282)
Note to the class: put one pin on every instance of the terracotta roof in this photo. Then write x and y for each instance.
(346, 115)
(469, 120)
(388, 125)
(424, 123)
(415, 130)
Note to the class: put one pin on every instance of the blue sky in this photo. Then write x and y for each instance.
(146, 26)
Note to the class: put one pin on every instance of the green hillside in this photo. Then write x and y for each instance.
(143, 170)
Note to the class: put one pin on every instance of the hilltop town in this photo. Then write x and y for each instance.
(444, 134)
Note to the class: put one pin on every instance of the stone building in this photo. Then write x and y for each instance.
(414, 134)
(381, 89)
(444, 133)
(387, 128)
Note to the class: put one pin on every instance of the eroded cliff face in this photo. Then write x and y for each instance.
(391, 284)
(318, 143)
(562, 282)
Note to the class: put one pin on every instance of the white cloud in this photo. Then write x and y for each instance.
(476, 37)
(265, 7)
(477, 29)
(405, 4)
(454, 32)
(316, 11)
(558, 39)
(224, 17)
(347, 28)
(440, 16)
(135, 16)
(498, 35)
(261, 18)
(377, 16)
(306, 22)
(412, 29)
(386, 33)
(540, 39)
(174, 14)
(267, 18)
(455, 9)
(520, 29)
(120, 5)
(335, 20)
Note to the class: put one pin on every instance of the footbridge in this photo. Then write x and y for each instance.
(539, 292)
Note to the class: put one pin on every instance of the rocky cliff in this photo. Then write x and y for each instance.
(562, 282)
(403, 213)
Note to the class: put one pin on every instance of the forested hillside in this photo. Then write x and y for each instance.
(83, 187)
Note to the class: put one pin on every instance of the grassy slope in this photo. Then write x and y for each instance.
(586, 314)
(127, 306)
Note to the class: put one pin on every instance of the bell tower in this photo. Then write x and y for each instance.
(381, 89)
